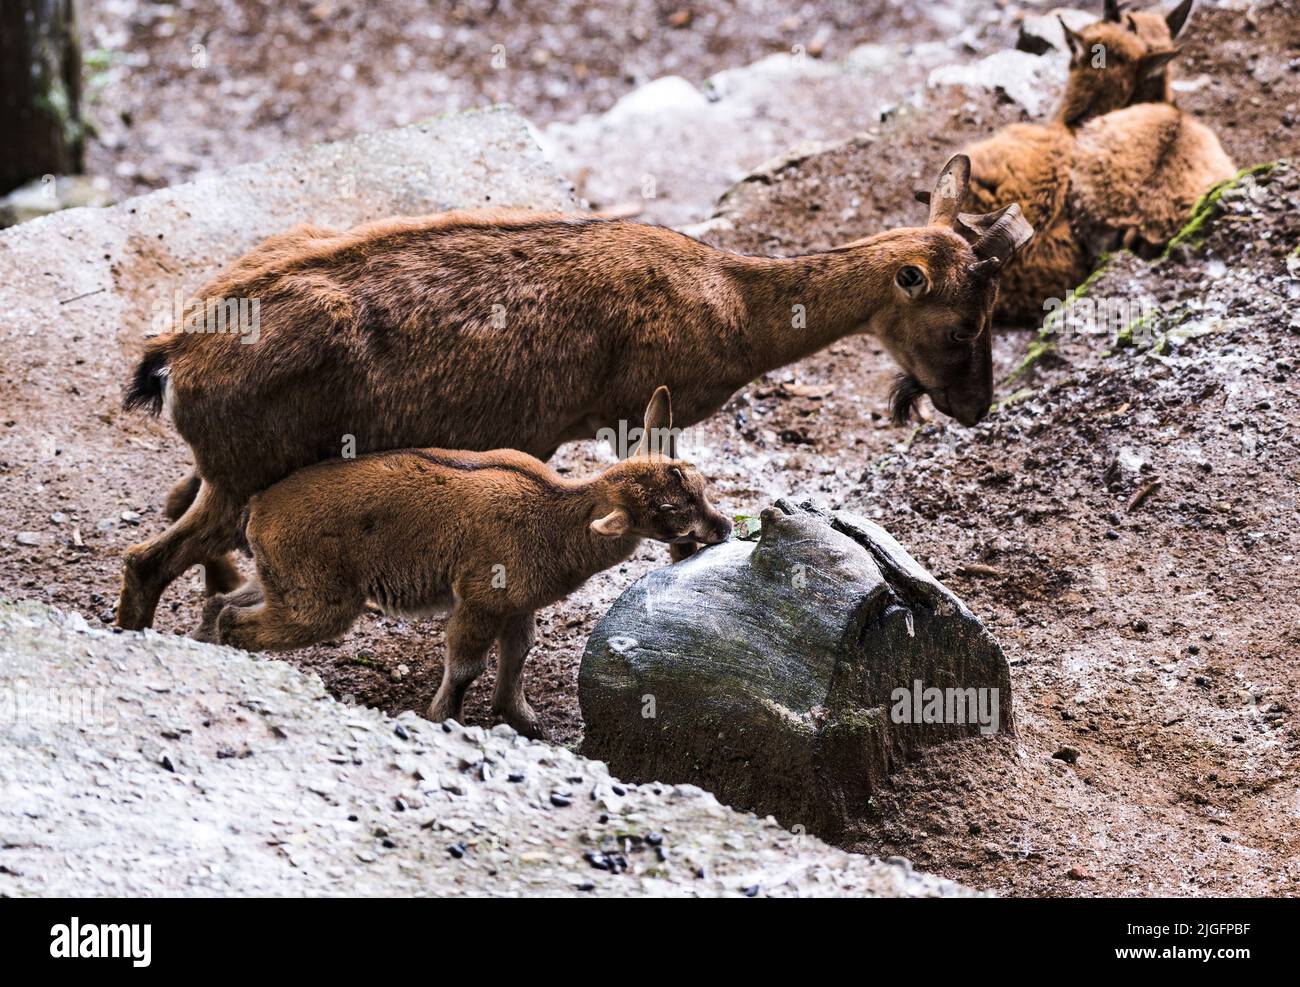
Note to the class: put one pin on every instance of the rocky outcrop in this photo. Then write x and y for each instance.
(141, 764)
(791, 676)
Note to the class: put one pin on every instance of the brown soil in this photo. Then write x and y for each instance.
(1158, 642)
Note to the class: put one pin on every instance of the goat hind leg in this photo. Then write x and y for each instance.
(273, 624)
(248, 595)
(208, 529)
(220, 574)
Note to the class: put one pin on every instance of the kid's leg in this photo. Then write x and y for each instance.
(508, 699)
(469, 635)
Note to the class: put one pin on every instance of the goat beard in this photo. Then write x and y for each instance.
(906, 392)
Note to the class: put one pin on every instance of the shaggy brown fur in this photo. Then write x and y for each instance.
(483, 330)
(1137, 173)
(492, 536)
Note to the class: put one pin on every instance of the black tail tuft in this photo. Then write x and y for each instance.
(146, 389)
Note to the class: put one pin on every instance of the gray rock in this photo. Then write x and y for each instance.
(83, 715)
(768, 673)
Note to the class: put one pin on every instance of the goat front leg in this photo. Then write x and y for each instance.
(469, 636)
(209, 529)
(508, 698)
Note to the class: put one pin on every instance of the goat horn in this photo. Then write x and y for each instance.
(998, 235)
(1112, 10)
(950, 191)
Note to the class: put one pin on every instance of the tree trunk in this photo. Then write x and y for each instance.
(40, 91)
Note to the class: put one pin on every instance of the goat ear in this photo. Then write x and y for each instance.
(950, 191)
(1153, 63)
(1177, 17)
(658, 423)
(613, 525)
(1073, 40)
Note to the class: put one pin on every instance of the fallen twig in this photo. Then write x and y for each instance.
(1140, 498)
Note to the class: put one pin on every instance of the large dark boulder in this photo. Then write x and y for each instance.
(767, 673)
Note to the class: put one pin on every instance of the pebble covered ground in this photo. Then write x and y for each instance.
(143, 764)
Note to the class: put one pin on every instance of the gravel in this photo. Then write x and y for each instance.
(144, 764)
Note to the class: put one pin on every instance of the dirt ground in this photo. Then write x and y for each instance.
(181, 88)
(1154, 645)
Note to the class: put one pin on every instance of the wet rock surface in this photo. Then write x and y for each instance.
(767, 672)
(139, 764)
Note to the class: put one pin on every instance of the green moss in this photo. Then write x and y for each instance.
(1129, 332)
(1015, 398)
(1102, 264)
(747, 527)
(1203, 213)
(1039, 348)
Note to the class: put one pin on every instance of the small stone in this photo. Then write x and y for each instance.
(28, 538)
(1067, 754)
(1080, 874)
(750, 892)
(401, 731)
(130, 517)
(560, 800)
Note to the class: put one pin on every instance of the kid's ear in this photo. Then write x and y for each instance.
(658, 423)
(1073, 40)
(613, 524)
(1177, 17)
(1154, 62)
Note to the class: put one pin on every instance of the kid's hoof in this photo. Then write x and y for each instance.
(526, 723)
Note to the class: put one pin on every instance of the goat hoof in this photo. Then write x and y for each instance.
(525, 723)
(439, 711)
(132, 615)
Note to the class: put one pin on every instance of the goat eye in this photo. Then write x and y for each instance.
(962, 336)
(909, 276)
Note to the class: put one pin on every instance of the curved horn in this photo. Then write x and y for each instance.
(996, 236)
(1110, 11)
(950, 191)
